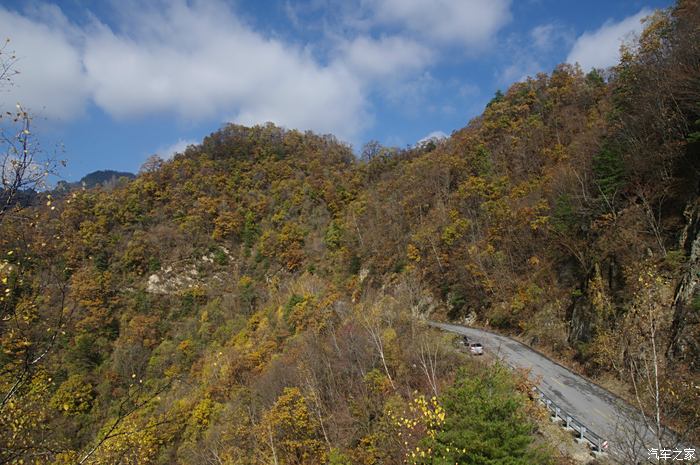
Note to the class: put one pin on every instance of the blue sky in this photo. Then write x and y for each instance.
(113, 82)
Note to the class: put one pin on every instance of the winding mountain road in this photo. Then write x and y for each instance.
(600, 411)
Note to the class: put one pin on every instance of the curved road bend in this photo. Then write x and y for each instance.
(600, 411)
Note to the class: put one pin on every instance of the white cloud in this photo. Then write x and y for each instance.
(384, 58)
(545, 37)
(601, 48)
(200, 61)
(192, 59)
(470, 23)
(435, 135)
(519, 70)
(414, 96)
(177, 147)
(51, 82)
(542, 35)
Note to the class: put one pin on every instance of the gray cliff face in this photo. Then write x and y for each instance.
(684, 342)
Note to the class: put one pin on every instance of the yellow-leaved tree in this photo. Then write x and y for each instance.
(291, 432)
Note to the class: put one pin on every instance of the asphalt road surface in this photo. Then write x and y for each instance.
(601, 412)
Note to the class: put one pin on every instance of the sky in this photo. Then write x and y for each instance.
(112, 82)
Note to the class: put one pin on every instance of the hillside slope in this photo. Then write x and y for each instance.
(259, 297)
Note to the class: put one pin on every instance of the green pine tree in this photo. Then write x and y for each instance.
(609, 171)
(485, 424)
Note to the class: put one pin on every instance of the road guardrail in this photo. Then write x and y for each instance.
(569, 422)
(597, 443)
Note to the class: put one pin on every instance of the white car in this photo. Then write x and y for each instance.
(476, 348)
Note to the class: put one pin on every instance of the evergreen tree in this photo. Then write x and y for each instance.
(485, 424)
(609, 171)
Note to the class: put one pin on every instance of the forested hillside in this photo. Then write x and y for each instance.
(261, 297)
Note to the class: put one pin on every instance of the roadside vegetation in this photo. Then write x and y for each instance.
(260, 298)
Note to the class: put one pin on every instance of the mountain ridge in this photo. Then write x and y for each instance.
(263, 293)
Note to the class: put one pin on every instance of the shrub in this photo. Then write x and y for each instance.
(485, 424)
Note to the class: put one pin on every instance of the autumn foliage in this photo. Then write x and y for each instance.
(260, 298)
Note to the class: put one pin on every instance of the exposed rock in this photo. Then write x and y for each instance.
(425, 306)
(470, 319)
(362, 275)
(684, 343)
(168, 281)
(175, 279)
